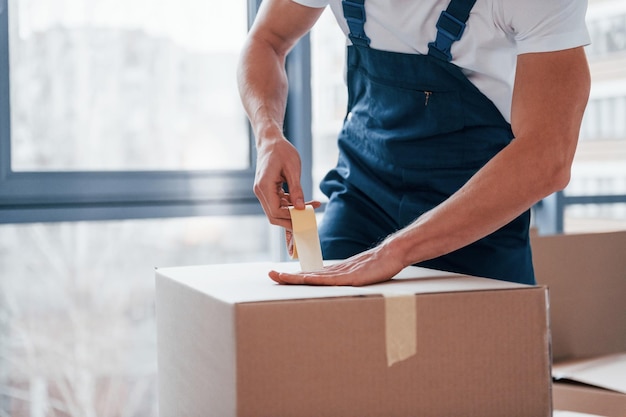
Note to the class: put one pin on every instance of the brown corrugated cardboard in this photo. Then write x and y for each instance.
(233, 343)
(586, 276)
(588, 399)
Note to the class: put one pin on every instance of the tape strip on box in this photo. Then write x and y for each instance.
(400, 327)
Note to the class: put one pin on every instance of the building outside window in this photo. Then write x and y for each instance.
(600, 162)
(116, 85)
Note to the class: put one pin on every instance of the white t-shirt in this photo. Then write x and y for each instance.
(497, 31)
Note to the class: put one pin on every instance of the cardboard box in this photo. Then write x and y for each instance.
(233, 343)
(586, 276)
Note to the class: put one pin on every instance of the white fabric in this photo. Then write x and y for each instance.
(497, 31)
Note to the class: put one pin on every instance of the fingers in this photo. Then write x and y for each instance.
(276, 206)
(276, 209)
(280, 277)
(286, 278)
(296, 195)
(314, 203)
(292, 178)
(289, 241)
(333, 275)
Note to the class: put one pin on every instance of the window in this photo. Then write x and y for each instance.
(93, 89)
(77, 312)
(125, 113)
(122, 109)
(596, 195)
(609, 35)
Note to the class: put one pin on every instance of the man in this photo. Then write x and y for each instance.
(458, 122)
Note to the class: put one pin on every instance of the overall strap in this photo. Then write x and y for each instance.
(354, 13)
(450, 27)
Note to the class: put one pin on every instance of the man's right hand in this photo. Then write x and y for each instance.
(278, 163)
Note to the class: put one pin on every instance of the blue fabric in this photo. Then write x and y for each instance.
(416, 131)
(354, 13)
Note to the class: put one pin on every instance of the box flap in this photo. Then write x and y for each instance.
(607, 372)
(248, 282)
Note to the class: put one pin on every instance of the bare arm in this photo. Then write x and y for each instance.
(550, 95)
(263, 88)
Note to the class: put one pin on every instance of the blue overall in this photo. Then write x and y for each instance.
(416, 131)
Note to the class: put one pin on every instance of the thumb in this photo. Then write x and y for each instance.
(296, 195)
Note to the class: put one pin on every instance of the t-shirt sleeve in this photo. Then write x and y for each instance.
(545, 25)
(312, 3)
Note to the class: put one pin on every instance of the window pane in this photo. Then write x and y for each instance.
(329, 95)
(581, 218)
(126, 85)
(77, 314)
(600, 162)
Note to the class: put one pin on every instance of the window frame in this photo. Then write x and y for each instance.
(42, 196)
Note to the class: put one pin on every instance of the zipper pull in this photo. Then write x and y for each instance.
(427, 96)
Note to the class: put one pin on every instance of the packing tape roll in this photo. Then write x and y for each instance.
(306, 239)
(400, 327)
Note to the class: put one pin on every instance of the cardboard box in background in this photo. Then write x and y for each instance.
(233, 343)
(597, 384)
(586, 276)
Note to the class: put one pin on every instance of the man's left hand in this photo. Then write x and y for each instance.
(369, 267)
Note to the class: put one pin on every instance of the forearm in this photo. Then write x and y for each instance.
(506, 187)
(263, 86)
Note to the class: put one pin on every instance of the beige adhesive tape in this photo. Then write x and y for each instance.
(400, 327)
(306, 240)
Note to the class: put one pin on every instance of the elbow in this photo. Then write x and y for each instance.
(551, 170)
(556, 177)
(562, 178)
(553, 161)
